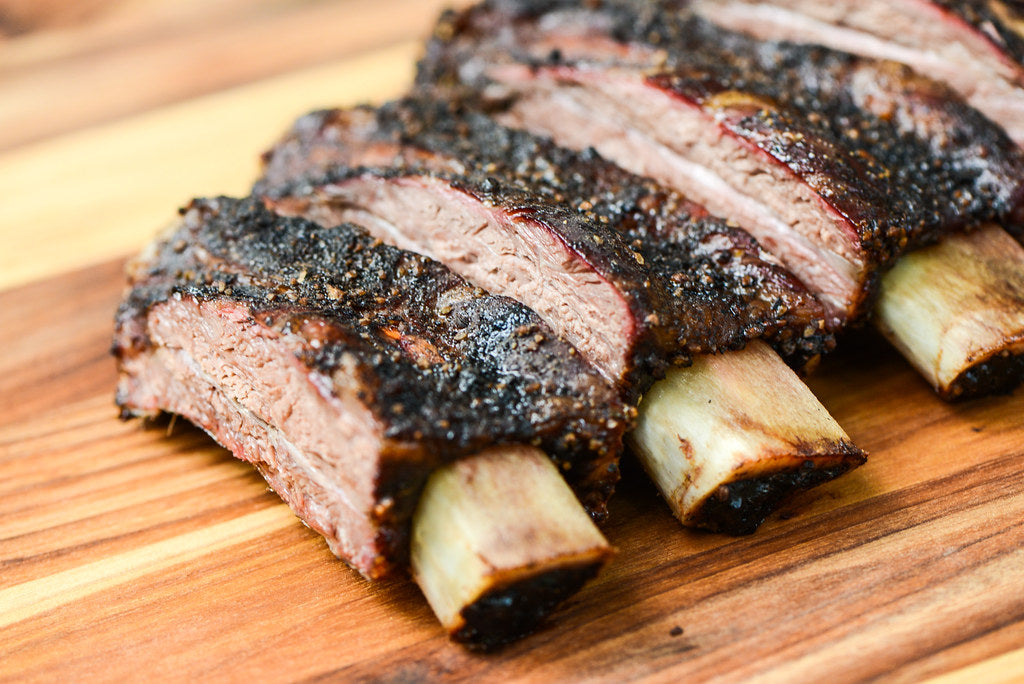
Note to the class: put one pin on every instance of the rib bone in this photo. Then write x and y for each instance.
(713, 439)
(956, 312)
(498, 542)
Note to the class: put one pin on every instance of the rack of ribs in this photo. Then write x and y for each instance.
(837, 164)
(352, 375)
(637, 277)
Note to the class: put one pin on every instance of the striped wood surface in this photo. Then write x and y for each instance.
(129, 551)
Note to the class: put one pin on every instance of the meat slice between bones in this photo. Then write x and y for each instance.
(347, 371)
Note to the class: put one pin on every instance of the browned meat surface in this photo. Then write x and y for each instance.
(629, 271)
(836, 163)
(977, 47)
(346, 370)
(998, 22)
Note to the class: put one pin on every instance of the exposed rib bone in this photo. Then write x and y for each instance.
(498, 542)
(956, 312)
(727, 438)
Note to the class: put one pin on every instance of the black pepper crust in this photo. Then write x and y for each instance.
(330, 147)
(999, 21)
(445, 367)
(695, 284)
(901, 157)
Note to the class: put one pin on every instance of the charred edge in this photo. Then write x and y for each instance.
(398, 489)
(997, 375)
(738, 508)
(600, 478)
(1014, 221)
(512, 611)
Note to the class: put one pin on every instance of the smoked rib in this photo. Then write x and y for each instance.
(650, 278)
(346, 370)
(837, 164)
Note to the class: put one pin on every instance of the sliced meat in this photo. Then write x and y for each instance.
(977, 47)
(630, 272)
(998, 23)
(346, 370)
(408, 168)
(836, 163)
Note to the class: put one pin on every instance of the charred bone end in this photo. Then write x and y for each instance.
(740, 507)
(1000, 374)
(956, 312)
(514, 608)
(731, 437)
(498, 542)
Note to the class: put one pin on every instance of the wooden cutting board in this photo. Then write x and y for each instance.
(131, 551)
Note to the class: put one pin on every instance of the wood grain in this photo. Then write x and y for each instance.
(130, 57)
(120, 183)
(124, 545)
(144, 551)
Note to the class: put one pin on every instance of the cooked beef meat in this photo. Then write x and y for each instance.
(346, 370)
(629, 271)
(977, 47)
(836, 163)
(411, 168)
(998, 22)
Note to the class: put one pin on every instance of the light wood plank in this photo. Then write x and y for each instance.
(137, 55)
(125, 552)
(118, 184)
(23, 601)
(1004, 669)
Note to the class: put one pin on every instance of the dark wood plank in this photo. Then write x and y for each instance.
(124, 546)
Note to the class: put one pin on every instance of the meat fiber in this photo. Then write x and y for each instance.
(977, 46)
(516, 213)
(346, 370)
(630, 272)
(837, 164)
